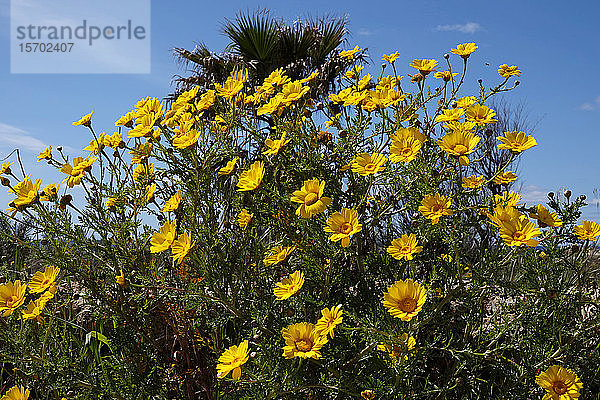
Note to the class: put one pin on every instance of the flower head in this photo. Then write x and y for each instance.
(162, 240)
(367, 164)
(404, 299)
(228, 169)
(473, 181)
(560, 383)
(12, 296)
(121, 280)
(311, 199)
(391, 58)
(516, 141)
(545, 217)
(46, 154)
(5, 168)
(435, 206)
(505, 177)
(400, 349)
(447, 76)
(588, 230)
(275, 145)
(459, 144)
(173, 203)
(278, 255)
(43, 280)
(232, 359)
(244, 218)
(464, 50)
(342, 225)
(302, 340)
(349, 54)
(519, 231)
(86, 120)
(481, 115)
(181, 247)
(16, 393)
(331, 318)
(26, 191)
(424, 66)
(289, 286)
(404, 247)
(251, 179)
(506, 72)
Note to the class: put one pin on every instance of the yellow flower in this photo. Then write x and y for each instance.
(149, 193)
(311, 77)
(342, 225)
(367, 394)
(505, 71)
(404, 149)
(275, 79)
(77, 171)
(141, 153)
(545, 217)
(504, 178)
(435, 206)
(404, 299)
(181, 247)
(367, 164)
(86, 120)
(560, 383)
(115, 140)
(233, 85)
(244, 218)
(228, 169)
(126, 120)
(5, 169)
(459, 144)
(143, 172)
(272, 106)
(404, 247)
(464, 50)
(49, 192)
(96, 145)
(173, 203)
(473, 181)
(516, 141)
(466, 101)
(349, 54)
(43, 280)
(311, 199)
(302, 340)
(44, 155)
(588, 230)
(480, 114)
(331, 318)
(206, 100)
(12, 296)
(34, 309)
(289, 286)
(162, 240)
(401, 349)
(278, 255)
(354, 71)
(293, 91)
(232, 359)
(26, 191)
(121, 279)
(186, 138)
(453, 114)
(275, 145)
(424, 66)
(507, 199)
(391, 58)
(251, 179)
(519, 231)
(16, 393)
(447, 76)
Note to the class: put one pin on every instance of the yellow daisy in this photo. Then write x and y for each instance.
(289, 286)
(404, 299)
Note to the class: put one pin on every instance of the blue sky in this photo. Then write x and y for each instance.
(554, 43)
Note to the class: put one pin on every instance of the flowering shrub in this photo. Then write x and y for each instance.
(338, 247)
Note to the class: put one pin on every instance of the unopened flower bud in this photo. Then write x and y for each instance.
(5, 181)
(480, 81)
(582, 197)
(446, 56)
(517, 83)
(568, 194)
(551, 195)
(383, 65)
(59, 148)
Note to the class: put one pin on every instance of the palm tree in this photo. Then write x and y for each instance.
(262, 43)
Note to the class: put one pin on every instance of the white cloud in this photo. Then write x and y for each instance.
(591, 106)
(11, 136)
(533, 194)
(469, 27)
(365, 32)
